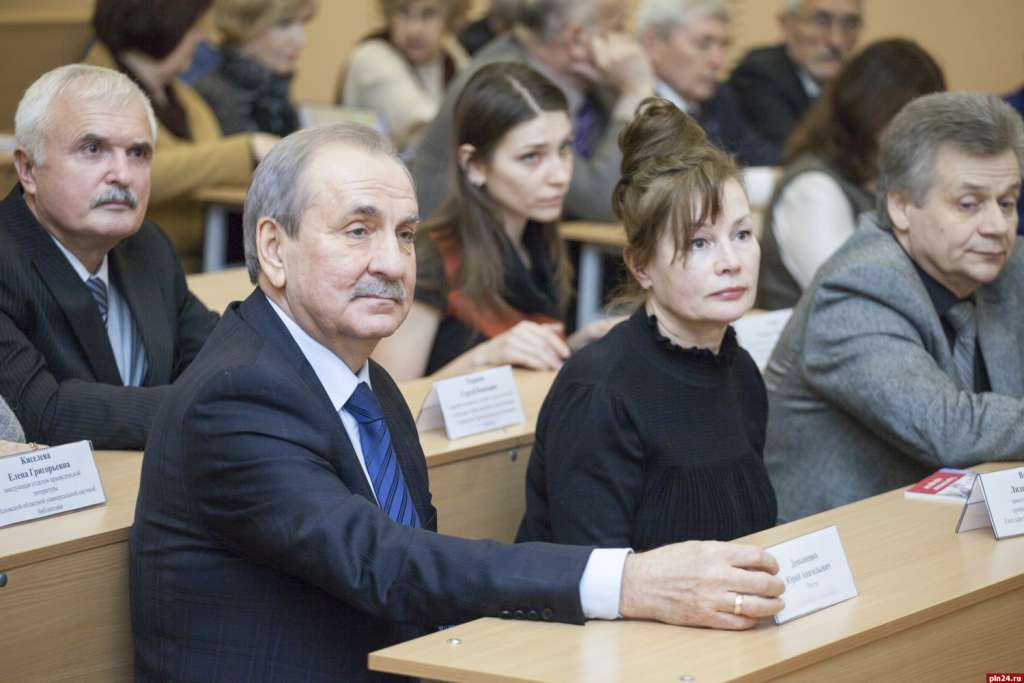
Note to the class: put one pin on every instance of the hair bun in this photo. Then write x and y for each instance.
(658, 130)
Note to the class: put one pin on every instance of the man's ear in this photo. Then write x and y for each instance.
(639, 272)
(471, 168)
(270, 244)
(898, 206)
(26, 168)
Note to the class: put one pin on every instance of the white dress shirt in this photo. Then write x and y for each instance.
(124, 335)
(601, 582)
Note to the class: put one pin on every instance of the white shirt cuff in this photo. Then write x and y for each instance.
(601, 585)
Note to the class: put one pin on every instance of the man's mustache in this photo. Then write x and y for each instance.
(115, 194)
(387, 289)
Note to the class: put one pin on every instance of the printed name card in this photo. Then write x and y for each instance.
(816, 573)
(474, 403)
(997, 501)
(48, 481)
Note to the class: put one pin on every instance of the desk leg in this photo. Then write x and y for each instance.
(215, 237)
(588, 301)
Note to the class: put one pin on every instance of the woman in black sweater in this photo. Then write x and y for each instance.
(654, 434)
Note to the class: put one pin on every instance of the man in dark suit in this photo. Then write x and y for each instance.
(284, 526)
(579, 45)
(905, 353)
(685, 42)
(95, 316)
(776, 85)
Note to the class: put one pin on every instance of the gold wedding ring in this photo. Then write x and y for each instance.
(737, 607)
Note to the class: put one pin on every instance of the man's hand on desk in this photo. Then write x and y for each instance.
(696, 583)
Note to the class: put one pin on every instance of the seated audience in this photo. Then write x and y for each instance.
(675, 410)
(152, 41)
(262, 39)
(905, 356)
(284, 527)
(10, 428)
(496, 22)
(401, 72)
(578, 45)
(686, 42)
(776, 85)
(492, 278)
(832, 164)
(95, 316)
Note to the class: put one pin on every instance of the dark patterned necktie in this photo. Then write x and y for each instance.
(585, 123)
(98, 289)
(961, 317)
(379, 455)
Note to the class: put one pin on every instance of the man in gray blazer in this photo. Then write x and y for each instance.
(577, 44)
(905, 353)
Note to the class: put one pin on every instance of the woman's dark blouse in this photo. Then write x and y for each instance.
(641, 443)
(247, 97)
(527, 290)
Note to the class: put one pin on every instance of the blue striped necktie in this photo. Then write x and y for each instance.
(98, 289)
(961, 316)
(379, 455)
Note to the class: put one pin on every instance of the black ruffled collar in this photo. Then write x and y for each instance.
(724, 358)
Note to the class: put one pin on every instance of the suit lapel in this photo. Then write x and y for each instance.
(257, 311)
(140, 290)
(69, 293)
(1000, 347)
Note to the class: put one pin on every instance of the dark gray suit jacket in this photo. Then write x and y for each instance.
(593, 179)
(861, 389)
(770, 93)
(258, 552)
(57, 369)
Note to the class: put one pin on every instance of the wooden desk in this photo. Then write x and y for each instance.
(933, 606)
(67, 576)
(217, 201)
(218, 289)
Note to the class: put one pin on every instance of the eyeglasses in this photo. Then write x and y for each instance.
(825, 21)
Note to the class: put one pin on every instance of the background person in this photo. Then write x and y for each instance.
(674, 409)
(686, 42)
(262, 40)
(152, 41)
(402, 72)
(776, 85)
(832, 164)
(493, 281)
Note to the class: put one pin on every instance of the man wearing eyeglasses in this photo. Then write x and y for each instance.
(776, 85)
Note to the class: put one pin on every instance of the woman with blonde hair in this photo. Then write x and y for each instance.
(401, 72)
(261, 41)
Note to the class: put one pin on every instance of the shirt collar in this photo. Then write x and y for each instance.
(811, 86)
(336, 377)
(102, 272)
(665, 91)
(942, 299)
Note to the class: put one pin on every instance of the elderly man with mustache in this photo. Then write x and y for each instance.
(95, 316)
(776, 85)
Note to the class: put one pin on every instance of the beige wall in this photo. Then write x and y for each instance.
(977, 42)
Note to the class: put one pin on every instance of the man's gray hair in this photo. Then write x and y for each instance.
(94, 84)
(546, 19)
(976, 124)
(278, 189)
(664, 16)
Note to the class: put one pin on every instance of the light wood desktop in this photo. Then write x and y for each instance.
(65, 578)
(219, 288)
(933, 606)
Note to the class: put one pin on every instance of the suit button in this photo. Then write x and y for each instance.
(532, 615)
(520, 614)
(547, 614)
(505, 614)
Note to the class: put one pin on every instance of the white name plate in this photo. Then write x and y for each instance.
(997, 501)
(816, 573)
(474, 403)
(48, 481)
